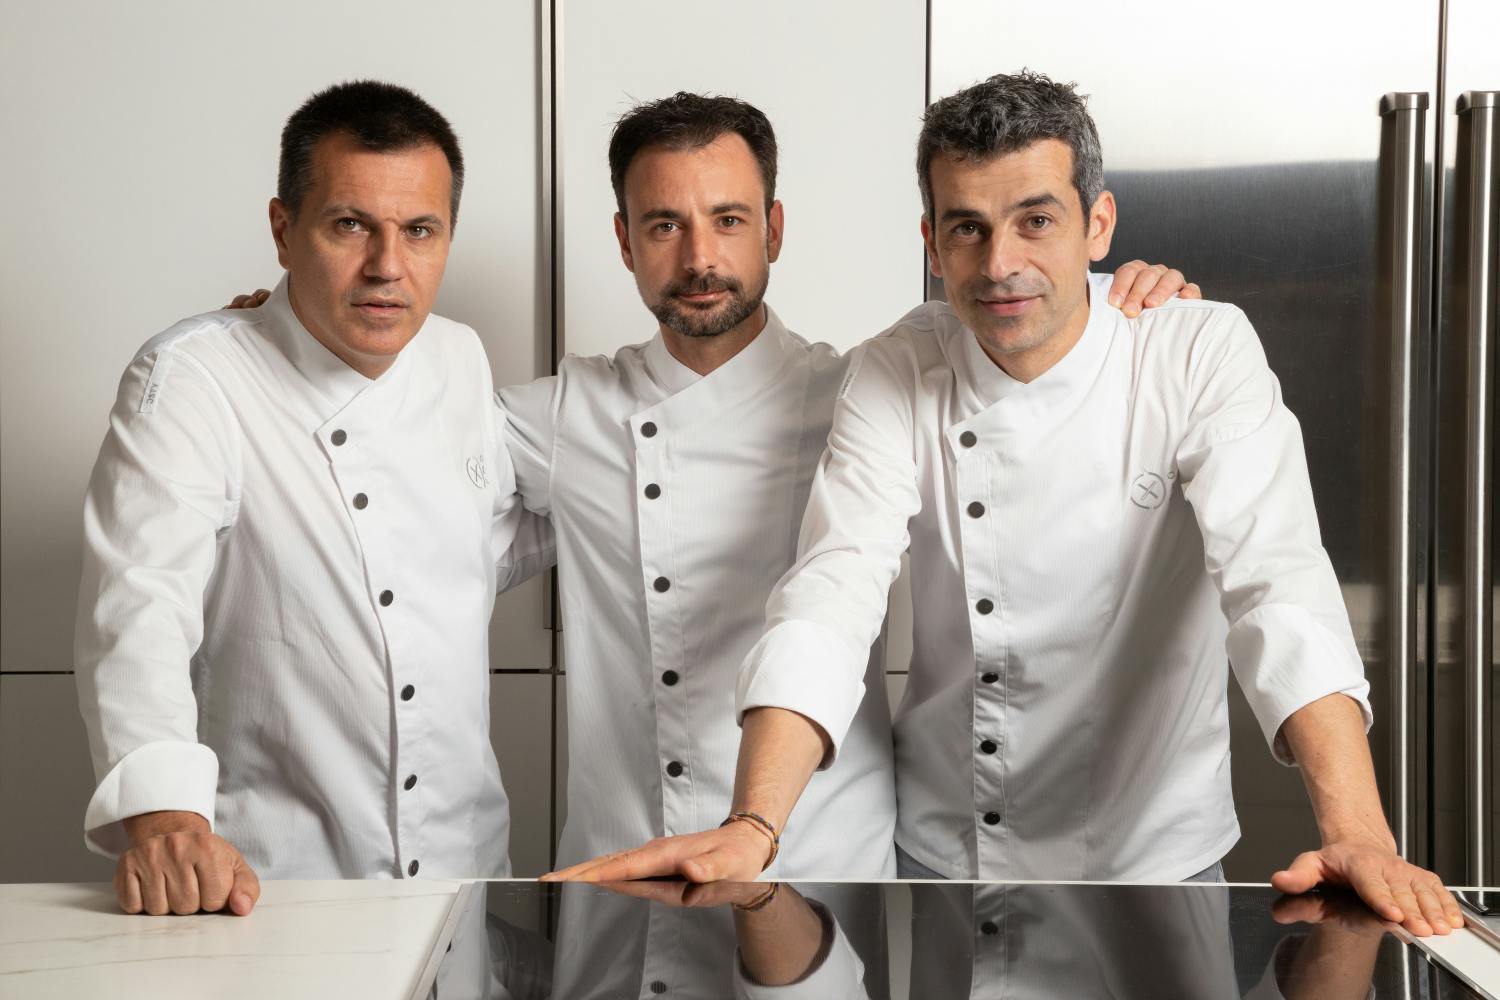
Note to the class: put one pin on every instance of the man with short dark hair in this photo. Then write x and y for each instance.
(675, 474)
(293, 537)
(1096, 507)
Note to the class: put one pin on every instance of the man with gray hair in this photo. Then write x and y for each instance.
(1097, 508)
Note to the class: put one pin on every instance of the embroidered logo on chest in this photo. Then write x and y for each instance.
(477, 474)
(1149, 491)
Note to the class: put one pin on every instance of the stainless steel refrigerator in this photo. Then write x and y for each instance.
(1332, 169)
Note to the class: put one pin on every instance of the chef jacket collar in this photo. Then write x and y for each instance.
(1074, 371)
(748, 370)
(328, 374)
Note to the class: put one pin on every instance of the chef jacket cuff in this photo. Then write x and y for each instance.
(1286, 659)
(840, 974)
(807, 668)
(165, 775)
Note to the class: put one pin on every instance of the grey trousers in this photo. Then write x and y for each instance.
(909, 867)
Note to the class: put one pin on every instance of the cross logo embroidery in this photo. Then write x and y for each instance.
(1148, 492)
(475, 468)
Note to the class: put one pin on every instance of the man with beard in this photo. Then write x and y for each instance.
(675, 475)
(1097, 508)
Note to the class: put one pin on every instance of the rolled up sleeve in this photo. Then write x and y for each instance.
(1245, 473)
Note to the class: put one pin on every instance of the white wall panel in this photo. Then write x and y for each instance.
(560, 760)
(45, 783)
(842, 84)
(898, 621)
(1168, 88)
(521, 732)
(895, 690)
(141, 144)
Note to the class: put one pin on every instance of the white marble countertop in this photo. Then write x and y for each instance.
(371, 940)
(305, 939)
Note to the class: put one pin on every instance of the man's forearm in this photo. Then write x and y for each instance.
(1327, 738)
(779, 751)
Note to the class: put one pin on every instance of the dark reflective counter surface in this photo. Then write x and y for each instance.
(895, 940)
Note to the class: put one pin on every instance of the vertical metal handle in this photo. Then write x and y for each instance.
(1404, 149)
(1476, 115)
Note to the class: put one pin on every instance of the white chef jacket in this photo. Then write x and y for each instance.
(676, 499)
(288, 573)
(1084, 549)
(1039, 942)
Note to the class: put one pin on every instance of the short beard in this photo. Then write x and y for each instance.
(693, 322)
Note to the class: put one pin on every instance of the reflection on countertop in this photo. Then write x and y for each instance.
(944, 941)
(521, 940)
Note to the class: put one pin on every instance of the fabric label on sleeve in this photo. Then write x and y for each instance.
(155, 381)
(854, 359)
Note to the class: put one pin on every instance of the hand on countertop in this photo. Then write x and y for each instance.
(736, 853)
(1394, 888)
(176, 864)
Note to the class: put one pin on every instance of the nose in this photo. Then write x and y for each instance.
(1004, 258)
(383, 260)
(699, 250)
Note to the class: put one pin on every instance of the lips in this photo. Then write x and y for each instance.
(704, 290)
(380, 307)
(1008, 306)
(701, 297)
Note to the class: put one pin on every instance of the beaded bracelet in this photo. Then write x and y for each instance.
(759, 902)
(764, 826)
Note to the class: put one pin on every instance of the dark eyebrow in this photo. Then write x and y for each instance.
(660, 213)
(350, 212)
(961, 213)
(1037, 201)
(726, 207)
(346, 210)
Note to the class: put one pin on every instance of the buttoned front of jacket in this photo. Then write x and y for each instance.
(1043, 941)
(324, 550)
(676, 500)
(1085, 549)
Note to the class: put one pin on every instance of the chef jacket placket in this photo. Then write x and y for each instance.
(974, 461)
(990, 971)
(663, 964)
(349, 443)
(651, 430)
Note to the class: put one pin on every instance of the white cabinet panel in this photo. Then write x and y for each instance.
(149, 133)
(560, 759)
(895, 689)
(519, 637)
(842, 83)
(45, 783)
(521, 732)
(1208, 65)
(898, 621)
